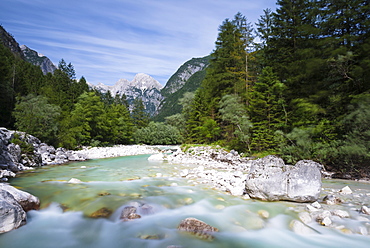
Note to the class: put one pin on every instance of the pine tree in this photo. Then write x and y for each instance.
(267, 110)
(120, 123)
(87, 122)
(138, 114)
(226, 72)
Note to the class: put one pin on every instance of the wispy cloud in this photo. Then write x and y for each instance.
(112, 39)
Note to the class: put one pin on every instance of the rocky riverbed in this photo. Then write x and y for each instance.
(344, 209)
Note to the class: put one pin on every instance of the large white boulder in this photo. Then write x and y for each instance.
(12, 214)
(13, 206)
(270, 179)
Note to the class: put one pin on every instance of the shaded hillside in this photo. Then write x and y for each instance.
(8, 41)
(170, 105)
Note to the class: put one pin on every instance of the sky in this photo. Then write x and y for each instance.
(106, 40)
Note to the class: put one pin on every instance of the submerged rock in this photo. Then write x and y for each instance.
(300, 228)
(332, 200)
(101, 213)
(198, 228)
(129, 213)
(271, 180)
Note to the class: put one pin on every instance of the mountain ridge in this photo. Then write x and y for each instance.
(38, 59)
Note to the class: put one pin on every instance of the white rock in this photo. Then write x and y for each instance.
(316, 205)
(156, 157)
(305, 217)
(365, 210)
(300, 228)
(346, 190)
(363, 230)
(323, 215)
(326, 221)
(311, 209)
(340, 213)
(184, 173)
(74, 181)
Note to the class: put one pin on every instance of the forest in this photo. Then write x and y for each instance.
(295, 84)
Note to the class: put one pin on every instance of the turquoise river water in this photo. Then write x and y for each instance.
(111, 184)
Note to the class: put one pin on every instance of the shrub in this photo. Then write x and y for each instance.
(158, 134)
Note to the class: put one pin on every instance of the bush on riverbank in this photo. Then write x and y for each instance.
(158, 134)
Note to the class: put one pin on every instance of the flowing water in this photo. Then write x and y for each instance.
(111, 184)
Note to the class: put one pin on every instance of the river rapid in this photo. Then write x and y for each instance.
(68, 209)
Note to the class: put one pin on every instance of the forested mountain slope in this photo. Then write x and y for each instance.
(186, 79)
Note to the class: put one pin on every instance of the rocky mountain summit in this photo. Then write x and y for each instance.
(142, 86)
(38, 59)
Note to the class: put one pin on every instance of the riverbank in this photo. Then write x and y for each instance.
(345, 209)
(20, 151)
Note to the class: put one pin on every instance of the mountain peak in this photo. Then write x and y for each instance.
(144, 80)
(142, 86)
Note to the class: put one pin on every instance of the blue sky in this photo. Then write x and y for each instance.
(106, 40)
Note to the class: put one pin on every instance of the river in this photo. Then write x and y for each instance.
(111, 184)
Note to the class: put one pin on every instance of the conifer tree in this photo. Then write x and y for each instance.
(267, 110)
(138, 114)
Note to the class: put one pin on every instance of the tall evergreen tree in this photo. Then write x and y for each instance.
(267, 110)
(87, 122)
(138, 114)
(226, 72)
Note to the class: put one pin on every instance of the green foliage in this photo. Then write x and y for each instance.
(138, 114)
(26, 148)
(158, 134)
(267, 109)
(178, 121)
(208, 130)
(34, 115)
(355, 149)
(234, 113)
